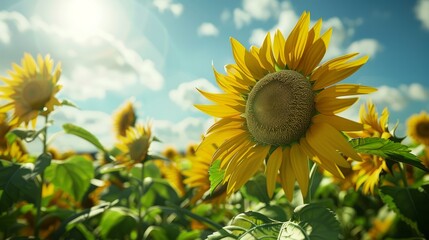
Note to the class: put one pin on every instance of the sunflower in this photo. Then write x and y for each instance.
(171, 172)
(135, 144)
(31, 89)
(4, 129)
(198, 177)
(15, 152)
(278, 106)
(418, 127)
(368, 170)
(124, 118)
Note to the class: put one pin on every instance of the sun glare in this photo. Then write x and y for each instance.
(84, 18)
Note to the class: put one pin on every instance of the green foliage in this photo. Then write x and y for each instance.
(310, 221)
(411, 204)
(68, 103)
(73, 175)
(216, 175)
(387, 149)
(84, 134)
(117, 222)
(42, 162)
(17, 184)
(256, 189)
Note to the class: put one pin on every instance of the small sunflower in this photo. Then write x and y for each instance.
(4, 129)
(124, 118)
(278, 106)
(171, 153)
(418, 128)
(367, 171)
(15, 152)
(136, 142)
(171, 172)
(31, 89)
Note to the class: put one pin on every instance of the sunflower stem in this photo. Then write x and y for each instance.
(313, 171)
(403, 174)
(139, 205)
(42, 181)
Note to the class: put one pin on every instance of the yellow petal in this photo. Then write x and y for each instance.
(230, 145)
(246, 61)
(344, 90)
(339, 123)
(239, 76)
(278, 48)
(227, 83)
(331, 105)
(266, 55)
(319, 139)
(296, 42)
(299, 162)
(287, 175)
(315, 53)
(223, 98)
(218, 110)
(272, 168)
(337, 72)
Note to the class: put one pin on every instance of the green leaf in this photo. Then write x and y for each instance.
(215, 175)
(42, 162)
(387, 149)
(84, 134)
(256, 189)
(73, 175)
(68, 103)
(410, 204)
(116, 223)
(318, 222)
(26, 135)
(17, 184)
(292, 231)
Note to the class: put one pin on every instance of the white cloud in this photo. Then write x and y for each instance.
(365, 46)
(163, 5)
(4, 33)
(422, 12)
(109, 64)
(207, 29)
(225, 15)
(186, 94)
(342, 32)
(258, 10)
(94, 82)
(179, 134)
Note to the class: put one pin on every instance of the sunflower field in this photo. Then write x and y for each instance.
(277, 163)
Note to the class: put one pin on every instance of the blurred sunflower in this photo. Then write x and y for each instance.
(135, 144)
(368, 170)
(15, 152)
(276, 102)
(124, 118)
(4, 129)
(31, 89)
(198, 177)
(171, 153)
(171, 172)
(418, 128)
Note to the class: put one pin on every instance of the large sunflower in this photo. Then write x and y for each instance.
(418, 127)
(278, 106)
(124, 118)
(31, 89)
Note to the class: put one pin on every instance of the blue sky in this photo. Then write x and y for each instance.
(157, 52)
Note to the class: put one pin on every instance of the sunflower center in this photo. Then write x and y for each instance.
(36, 94)
(423, 129)
(279, 108)
(138, 149)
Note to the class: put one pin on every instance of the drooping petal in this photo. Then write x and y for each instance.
(299, 162)
(272, 168)
(339, 123)
(287, 175)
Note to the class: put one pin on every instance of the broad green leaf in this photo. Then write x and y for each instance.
(42, 162)
(292, 231)
(256, 189)
(73, 175)
(17, 184)
(116, 223)
(387, 149)
(84, 134)
(412, 205)
(318, 222)
(216, 175)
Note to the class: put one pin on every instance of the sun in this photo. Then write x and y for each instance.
(83, 18)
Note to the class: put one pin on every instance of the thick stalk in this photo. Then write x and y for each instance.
(139, 206)
(313, 171)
